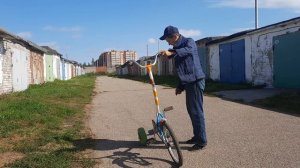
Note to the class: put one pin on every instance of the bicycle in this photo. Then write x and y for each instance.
(160, 125)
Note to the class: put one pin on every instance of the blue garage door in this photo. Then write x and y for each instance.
(232, 62)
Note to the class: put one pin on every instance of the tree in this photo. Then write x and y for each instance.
(93, 62)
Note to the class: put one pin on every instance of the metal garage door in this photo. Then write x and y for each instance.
(232, 62)
(49, 68)
(19, 70)
(63, 69)
(287, 60)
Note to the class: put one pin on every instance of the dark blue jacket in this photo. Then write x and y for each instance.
(187, 61)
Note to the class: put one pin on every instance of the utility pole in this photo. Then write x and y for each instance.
(256, 14)
(147, 50)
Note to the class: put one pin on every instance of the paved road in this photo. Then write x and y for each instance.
(238, 135)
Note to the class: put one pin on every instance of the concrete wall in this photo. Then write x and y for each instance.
(90, 69)
(102, 69)
(214, 62)
(6, 61)
(262, 53)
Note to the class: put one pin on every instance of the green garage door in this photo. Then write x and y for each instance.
(287, 60)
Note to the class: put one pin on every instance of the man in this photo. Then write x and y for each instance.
(192, 80)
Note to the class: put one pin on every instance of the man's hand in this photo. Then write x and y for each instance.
(166, 53)
(178, 91)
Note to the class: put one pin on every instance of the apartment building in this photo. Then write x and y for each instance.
(113, 58)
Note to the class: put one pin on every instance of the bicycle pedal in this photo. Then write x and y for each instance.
(151, 141)
(151, 132)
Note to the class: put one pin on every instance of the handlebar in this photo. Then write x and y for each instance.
(145, 66)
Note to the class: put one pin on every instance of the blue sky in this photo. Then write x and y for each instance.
(83, 29)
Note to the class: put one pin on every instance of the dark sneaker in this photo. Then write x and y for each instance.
(197, 147)
(190, 141)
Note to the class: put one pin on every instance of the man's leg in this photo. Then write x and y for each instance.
(194, 103)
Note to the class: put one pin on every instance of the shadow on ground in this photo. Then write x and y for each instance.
(255, 97)
(122, 157)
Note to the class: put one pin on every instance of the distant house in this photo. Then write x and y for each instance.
(123, 69)
(145, 61)
(134, 69)
(265, 56)
(20, 63)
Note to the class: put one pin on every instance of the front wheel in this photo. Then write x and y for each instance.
(172, 145)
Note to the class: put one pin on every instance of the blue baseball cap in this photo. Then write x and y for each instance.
(170, 30)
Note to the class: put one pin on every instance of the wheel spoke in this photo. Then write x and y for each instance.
(172, 145)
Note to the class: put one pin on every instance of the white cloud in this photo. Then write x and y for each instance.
(63, 29)
(290, 4)
(151, 41)
(25, 35)
(190, 32)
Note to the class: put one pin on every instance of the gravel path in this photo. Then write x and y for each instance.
(238, 135)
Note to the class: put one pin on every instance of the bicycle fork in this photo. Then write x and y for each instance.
(155, 94)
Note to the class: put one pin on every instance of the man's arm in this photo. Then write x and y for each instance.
(187, 50)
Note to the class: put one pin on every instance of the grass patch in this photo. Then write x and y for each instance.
(45, 160)
(172, 81)
(169, 81)
(288, 102)
(214, 86)
(34, 122)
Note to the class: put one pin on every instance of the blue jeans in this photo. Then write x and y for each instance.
(194, 104)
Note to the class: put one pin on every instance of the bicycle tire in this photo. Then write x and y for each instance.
(173, 146)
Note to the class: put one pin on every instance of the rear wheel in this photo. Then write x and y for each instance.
(172, 145)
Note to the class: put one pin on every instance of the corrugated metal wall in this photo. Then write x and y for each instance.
(202, 52)
(166, 66)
